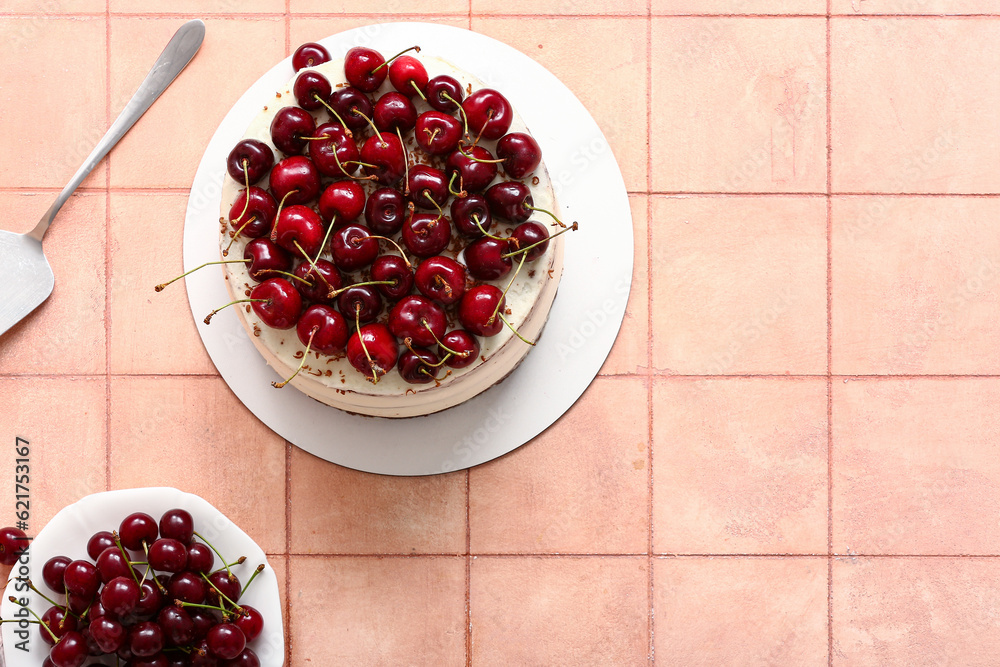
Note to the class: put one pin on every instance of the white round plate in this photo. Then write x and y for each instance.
(583, 323)
(67, 534)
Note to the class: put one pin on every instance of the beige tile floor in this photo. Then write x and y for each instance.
(790, 457)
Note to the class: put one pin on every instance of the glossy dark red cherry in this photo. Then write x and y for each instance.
(177, 626)
(82, 579)
(107, 633)
(442, 279)
(71, 651)
(408, 75)
(485, 258)
(418, 365)
(442, 87)
(296, 175)
(475, 175)
(428, 186)
(299, 230)
(520, 153)
(394, 268)
(385, 152)
(343, 199)
(477, 309)
(381, 347)
(311, 90)
(332, 332)
(437, 132)
(137, 528)
(471, 216)
(426, 234)
(336, 156)
(255, 218)
(279, 308)
(251, 622)
(150, 597)
(145, 639)
(221, 583)
(98, 542)
(352, 105)
(177, 524)
(385, 211)
(247, 658)
(528, 234)
(52, 573)
(265, 258)
(353, 248)
(200, 558)
(120, 596)
(249, 157)
(394, 111)
(360, 303)
(188, 586)
(464, 348)
(419, 319)
(320, 279)
(168, 555)
(111, 564)
(309, 54)
(289, 126)
(363, 68)
(489, 113)
(510, 200)
(59, 622)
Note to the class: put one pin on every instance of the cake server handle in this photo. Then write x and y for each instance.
(175, 57)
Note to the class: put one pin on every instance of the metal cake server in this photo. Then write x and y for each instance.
(26, 280)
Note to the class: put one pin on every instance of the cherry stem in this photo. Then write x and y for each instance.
(475, 219)
(246, 177)
(525, 249)
(162, 286)
(378, 133)
(431, 134)
(182, 603)
(511, 326)
(340, 166)
(465, 119)
(43, 595)
(363, 164)
(461, 194)
(548, 213)
(439, 364)
(335, 293)
(361, 339)
(312, 332)
(208, 318)
(225, 253)
(118, 543)
(412, 48)
(397, 246)
(238, 561)
(260, 568)
(406, 164)
(442, 345)
(426, 194)
(281, 205)
(286, 274)
(507, 289)
(417, 88)
(211, 546)
(479, 136)
(479, 159)
(334, 113)
(30, 611)
(222, 595)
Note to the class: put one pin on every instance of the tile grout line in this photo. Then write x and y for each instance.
(383, 15)
(651, 598)
(829, 348)
(468, 563)
(288, 27)
(107, 250)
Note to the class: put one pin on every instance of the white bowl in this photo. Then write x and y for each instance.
(67, 534)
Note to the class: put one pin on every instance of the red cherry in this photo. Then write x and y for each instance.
(489, 113)
(441, 279)
(428, 186)
(528, 234)
(187, 587)
(362, 68)
(520, 153)
(437, 132)
(177, 626)
(228, 585)
(137, 528)
(200, 558)
(177, 524)
(145, 639)
(319, 280)
(59, 621)
(344, 199)
(353, 248)
(52, 573)
(394, 111)
(395, 268)
(82, 579)
(477, 308)
(385, 211)
(309, 54)
(510, 200)
(111, 564)
(251, 622)
(381, 347)
(352, 105)
(288, 127)
(475, 176)
(463, 346)
(98, 542)
(280, 304)
(418, 366)
(299, 225)
(12, 542)
(107, 633)
(120, 596)
(485, 258)
(386, 153)
(167, 555)
(418, 319)
(245, 659)
(298, 174)
(311, 89)
(332, 335)
(249, 157)
(471, 216)
(426, 234)
(361, 302)
(71, 651)
(265, 258)
(408, 75)
(337, 156)
(440, 88)
(256, 217)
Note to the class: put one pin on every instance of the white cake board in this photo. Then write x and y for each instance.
(584, 320)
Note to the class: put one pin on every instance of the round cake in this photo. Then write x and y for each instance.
(444, 353)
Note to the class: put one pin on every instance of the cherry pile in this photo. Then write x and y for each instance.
(364, 184)
(152, 596)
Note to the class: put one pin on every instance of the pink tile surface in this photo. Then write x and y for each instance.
(925, 133)
(568, 611)
(754, 482)
(911, 611)
(800, 402)
(740, 611)
(915, 466)
(739, 105)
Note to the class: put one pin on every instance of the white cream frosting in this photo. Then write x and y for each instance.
(333, 380)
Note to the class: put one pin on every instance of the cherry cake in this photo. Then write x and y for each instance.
(392, 229)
